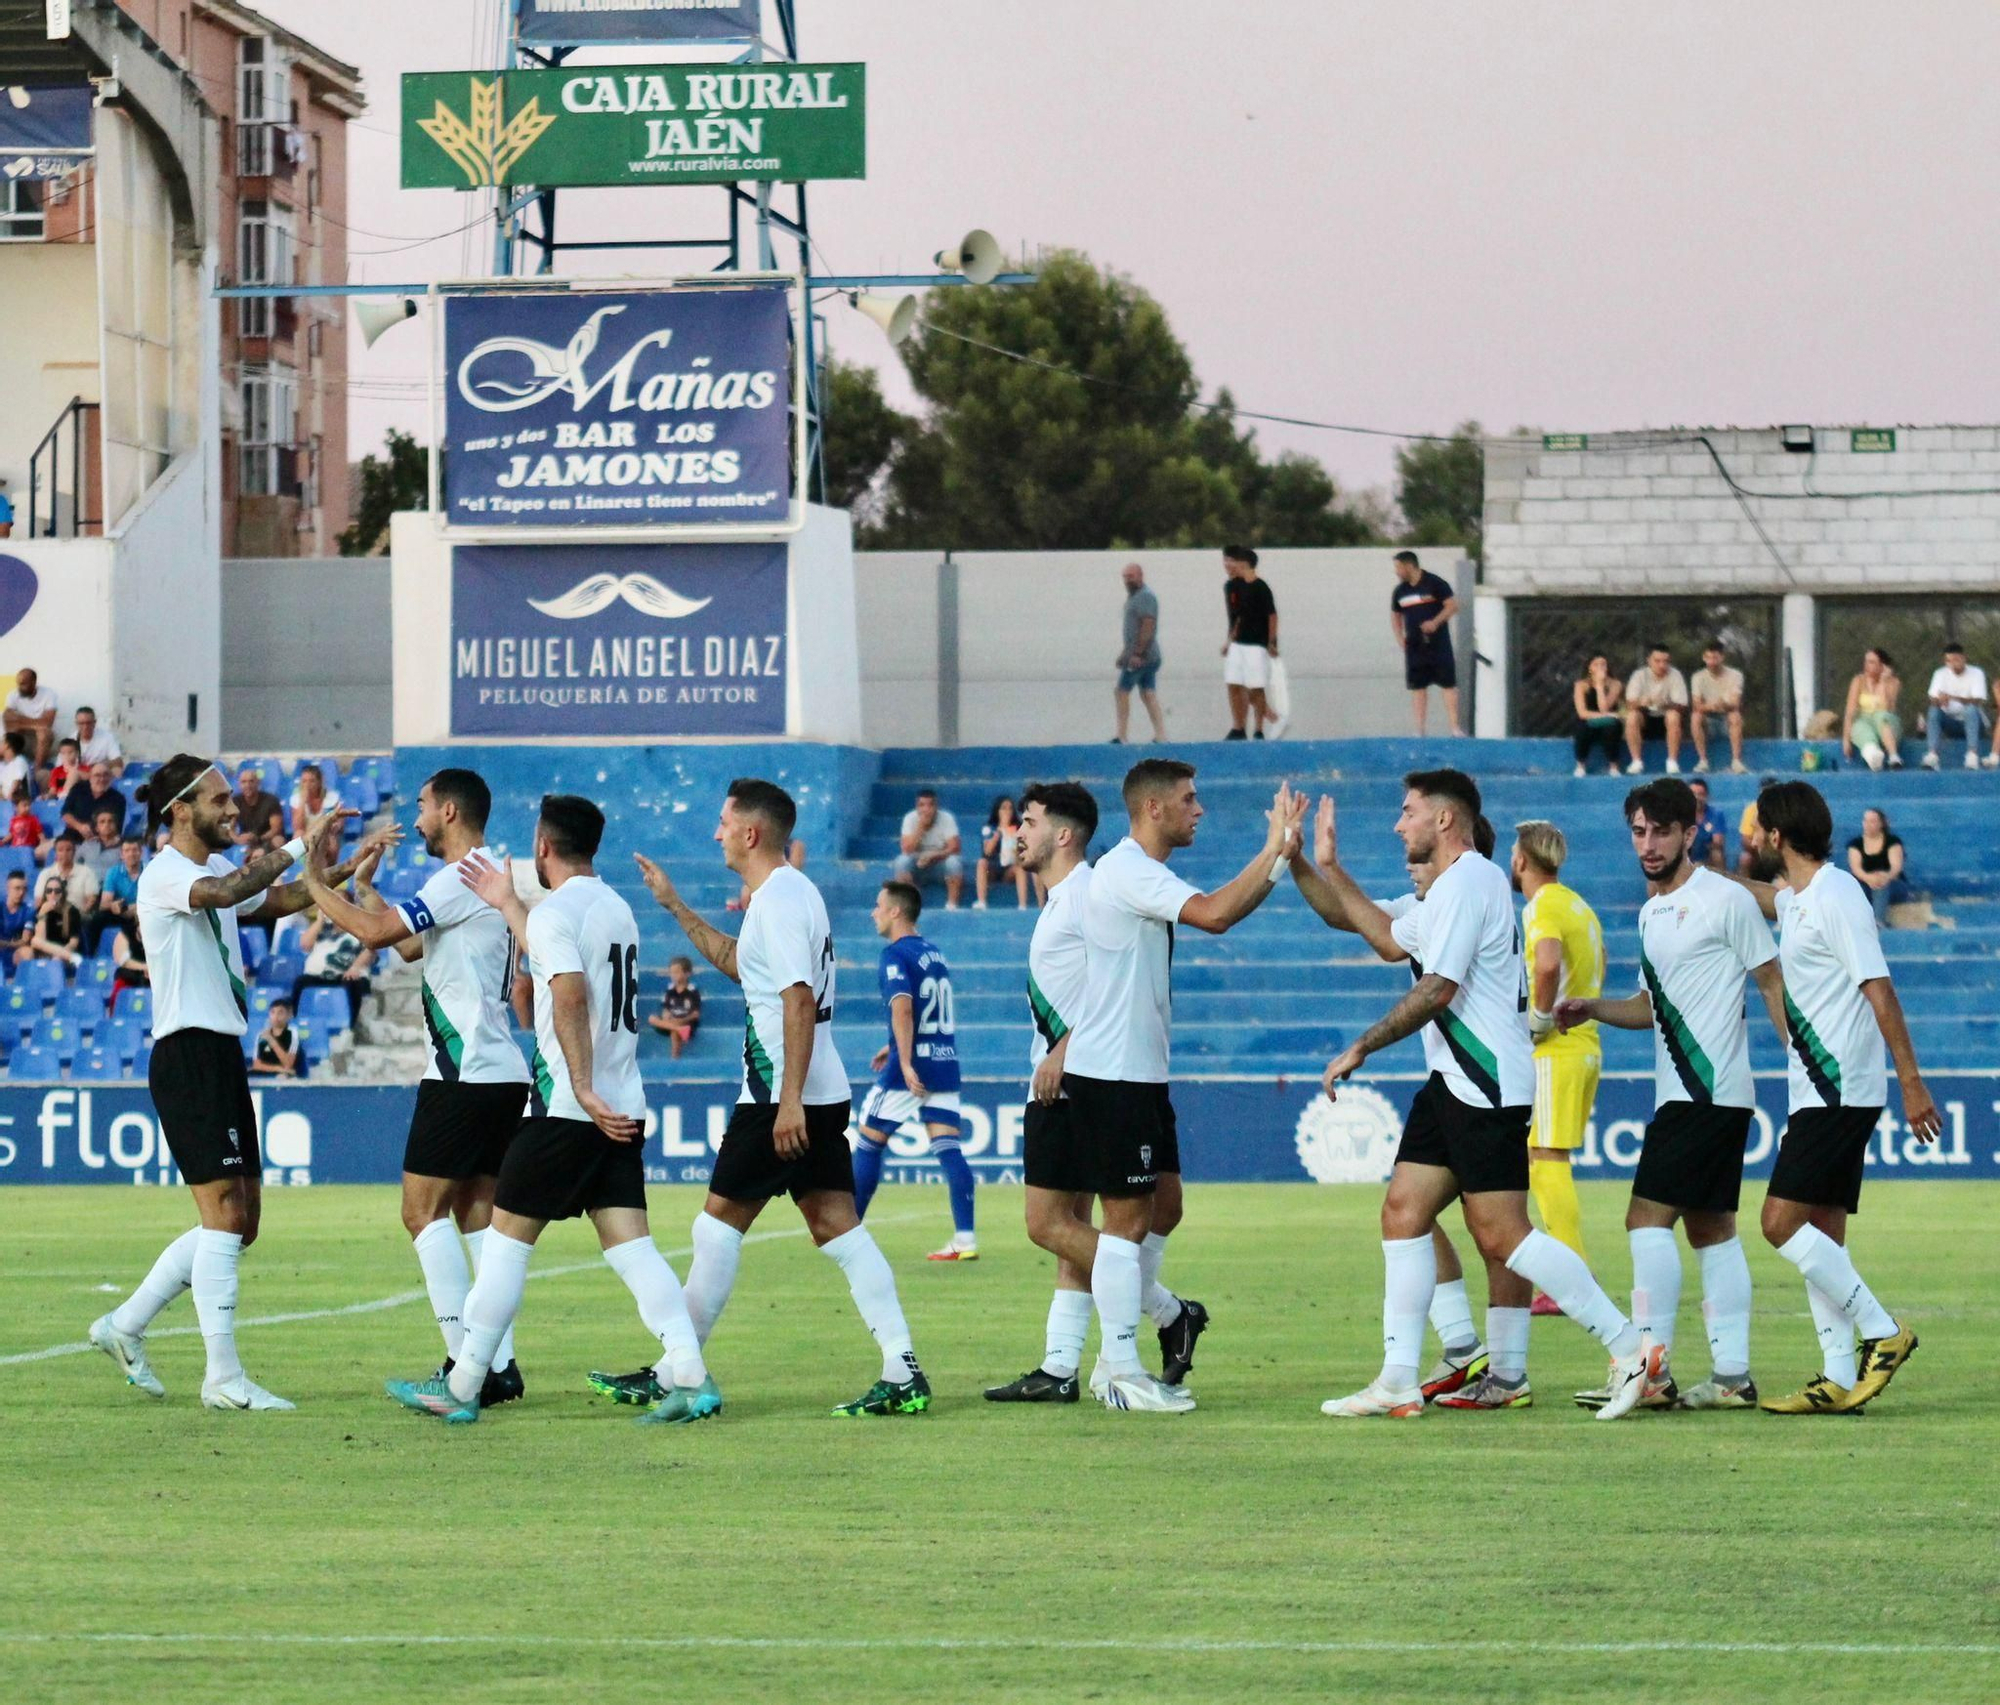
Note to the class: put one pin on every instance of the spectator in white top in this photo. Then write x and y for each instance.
(31, 709)
(931, 848)
(64, 866)
(99, 745)
(311, 798)
(1958, 706)
(17, 769)
(1656, 700)
(1717, 691)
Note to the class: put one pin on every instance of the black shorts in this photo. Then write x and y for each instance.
(201, 1090)
(1693, 1157)
(1125, 1135)
(1821, 1158)
(462, 1130)
(1429, 669)
(748, 1167)
(1484, 1148)
(556, 1169)
(1049, 1154)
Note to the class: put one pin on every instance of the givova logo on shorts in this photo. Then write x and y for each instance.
(1349, 1141)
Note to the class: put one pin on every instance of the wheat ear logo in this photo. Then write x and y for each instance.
(484, 148)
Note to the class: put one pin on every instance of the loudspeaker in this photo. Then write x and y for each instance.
(896, 315)
(975, 255)
(375, 315)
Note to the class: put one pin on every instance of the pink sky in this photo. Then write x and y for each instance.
(1583, 217)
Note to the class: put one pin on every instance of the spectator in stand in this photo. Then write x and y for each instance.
(6, 513)
(58, 925)
(334, 960)
(277, 1053)
(1420, 610)
(260, 819)
(31, 710)
(1710, 842)
(996, 852)
(1747, 856)
(1870, 724)
(679, 1016)
(103, 852)
(65, 867)
(1993, 757)
(16, 768)
(311, 798)
(128, 959)
(1656, 702)
(1139, 658)
(1875, 856)
(17, 919)
(1957, 706)
(1252, 642)
(1717, 691)
(1598, 719)
(931, 848)
(118, 902)
(66, 771)
(98, 745)
(24, 828)
(91, 794)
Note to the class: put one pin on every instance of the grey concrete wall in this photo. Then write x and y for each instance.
(1038, 632)
(305, 654)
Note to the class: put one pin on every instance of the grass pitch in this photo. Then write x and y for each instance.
(1252, 1550)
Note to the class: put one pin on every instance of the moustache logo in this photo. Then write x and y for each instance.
(601, 591)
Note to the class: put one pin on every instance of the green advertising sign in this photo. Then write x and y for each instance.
(1565, 441)
(1875, 440)
(634, 124)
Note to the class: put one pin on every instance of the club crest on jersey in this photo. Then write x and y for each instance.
(1146, 1154)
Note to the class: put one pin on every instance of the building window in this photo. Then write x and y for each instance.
(270, 432)
(21, 218)
(266, 253)
(266, 143)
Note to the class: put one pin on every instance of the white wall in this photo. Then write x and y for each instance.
(66, 634)
(47, 355)
(1038, 633)
(304, 663)
(420, 630)
(166, 617)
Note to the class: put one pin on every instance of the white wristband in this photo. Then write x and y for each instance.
(297, 848)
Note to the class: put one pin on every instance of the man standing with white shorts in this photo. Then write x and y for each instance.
(1252, 642)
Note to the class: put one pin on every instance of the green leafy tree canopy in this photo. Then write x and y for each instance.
(400, 479)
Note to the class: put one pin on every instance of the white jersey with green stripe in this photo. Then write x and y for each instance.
(1829, 947)
(193, 954)
(1696, 945)
(1465, 931)
(586, 929)
(1055, 964)
(468, 968)
(787, 941)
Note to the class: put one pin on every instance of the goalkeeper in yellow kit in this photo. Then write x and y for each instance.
(1564, 946)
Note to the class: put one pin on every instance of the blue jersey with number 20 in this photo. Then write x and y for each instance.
(915, 968)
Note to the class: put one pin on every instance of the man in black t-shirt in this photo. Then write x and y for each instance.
(1420, 610)
(1252, 641)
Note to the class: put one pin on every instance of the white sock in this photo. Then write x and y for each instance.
(1159, 1304)
(1836, 1338)
(874, 1290)
(1828, 1265)
(1561, 1272)
(1725, 1305)
(1451, 1315)
(718, 1251)
(1409, 1276)
(1507, 1342)
(661, 1306)
(503, 1355)
(1069, 1324)
(172, 1273)
(447, 1279)
(1116, 1289)
(1656, 1282)
(490, 1308)
(213, 1279)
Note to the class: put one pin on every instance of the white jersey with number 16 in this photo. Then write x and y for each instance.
(586, 929)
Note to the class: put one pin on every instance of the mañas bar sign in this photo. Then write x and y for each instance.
(621, 408)
(618, 640)
(574, 23)
(634, 124)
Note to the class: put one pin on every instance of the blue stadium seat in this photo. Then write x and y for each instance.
(325, 1010)
(17, 1027)
(99, 973)
(57, 1036)
(98, 1065)
(42, 979)
(261, 997)
(281, 970)
(326, 767)
(34, 1065)
(255, 940)
(270, 772)
(122, 1036)
(379, 769)
(137, 1005)
(19, 1001)
(361, 792)
(49, 813)
(83, 1007)
(143, 1060)
(17, 858)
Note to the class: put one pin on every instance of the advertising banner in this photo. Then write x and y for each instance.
(1230, 1132)
(634, 124)
(45, 130)
(575, 23)
(635, 408)
(595, 640)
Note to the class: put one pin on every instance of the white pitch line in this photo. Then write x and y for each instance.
(378, 1304)
(1011, 1643)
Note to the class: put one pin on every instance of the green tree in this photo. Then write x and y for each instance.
(398, 480)
(862, 436)
(1441, 490)
(1085, 437)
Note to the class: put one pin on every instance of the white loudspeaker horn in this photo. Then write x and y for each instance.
(975, 255)
(375, 316)
(896, 315)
